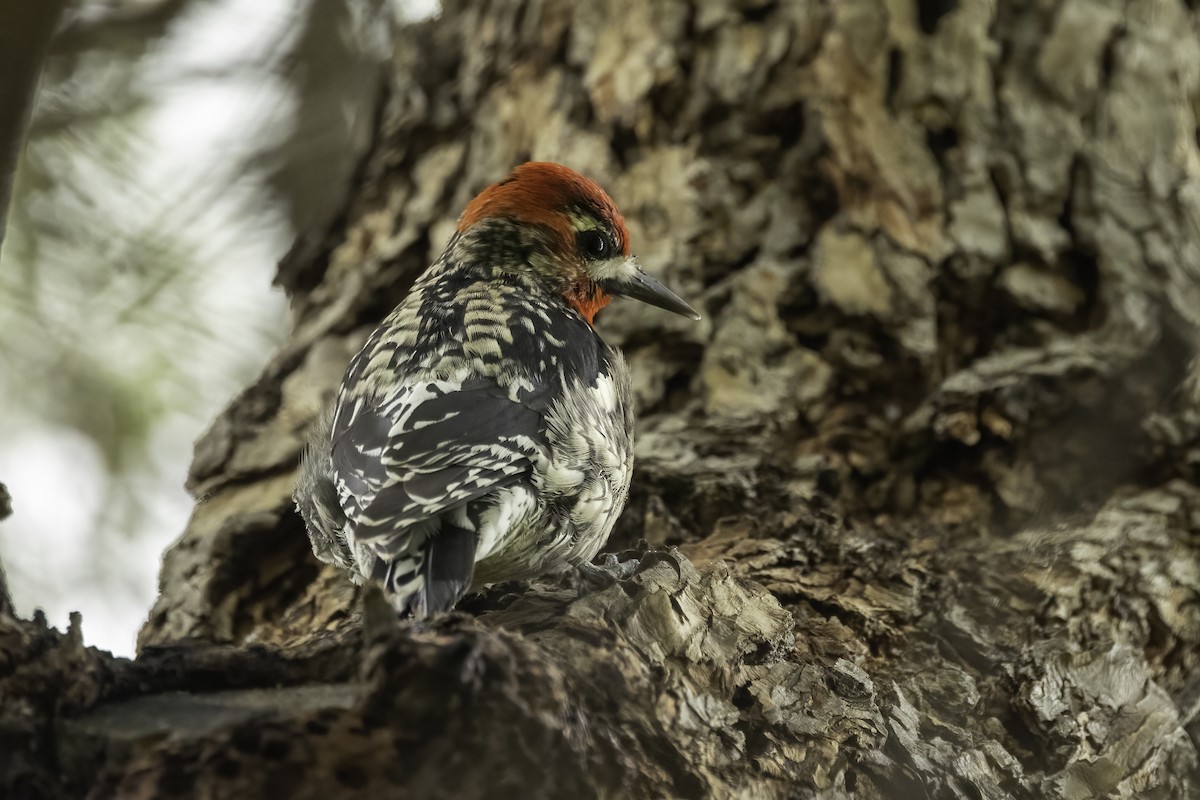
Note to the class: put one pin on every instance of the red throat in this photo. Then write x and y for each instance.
(587, 298)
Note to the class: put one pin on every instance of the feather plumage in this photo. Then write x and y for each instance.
(485, 430)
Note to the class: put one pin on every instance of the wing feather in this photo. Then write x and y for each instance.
(434, 446)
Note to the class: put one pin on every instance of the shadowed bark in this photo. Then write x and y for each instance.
(915, 511)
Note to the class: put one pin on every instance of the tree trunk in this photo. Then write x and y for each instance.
(915, 511)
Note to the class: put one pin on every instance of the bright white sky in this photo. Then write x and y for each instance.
(197, 129)
(54, 560)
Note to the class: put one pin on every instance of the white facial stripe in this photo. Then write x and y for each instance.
(582, 222)
(621, 268)
(616, 268)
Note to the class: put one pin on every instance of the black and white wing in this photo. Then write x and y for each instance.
(407, 470)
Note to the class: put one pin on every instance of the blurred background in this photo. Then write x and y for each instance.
(177, 150)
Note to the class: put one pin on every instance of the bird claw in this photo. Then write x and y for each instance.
(609, 571)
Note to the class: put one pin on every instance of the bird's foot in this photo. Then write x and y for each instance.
(610, 570)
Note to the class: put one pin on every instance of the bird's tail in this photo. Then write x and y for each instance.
(435, 577)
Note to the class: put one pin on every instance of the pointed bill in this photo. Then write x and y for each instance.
(640, 286)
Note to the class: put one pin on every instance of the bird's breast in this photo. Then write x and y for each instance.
(590, 435)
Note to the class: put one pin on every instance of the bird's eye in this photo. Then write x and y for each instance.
(595, 245)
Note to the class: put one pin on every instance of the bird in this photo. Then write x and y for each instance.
(484, 432)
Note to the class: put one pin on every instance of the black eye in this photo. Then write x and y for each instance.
(595, 245)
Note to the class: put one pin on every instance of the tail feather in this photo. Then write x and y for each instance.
(449, 566)
(433, 579)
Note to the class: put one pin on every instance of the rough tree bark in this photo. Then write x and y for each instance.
(918, 497)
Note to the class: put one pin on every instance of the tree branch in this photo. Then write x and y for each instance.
(25, 30)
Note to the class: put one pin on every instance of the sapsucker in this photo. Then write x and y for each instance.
(485, 431)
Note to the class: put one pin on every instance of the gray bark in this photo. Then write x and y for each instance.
(918, 497)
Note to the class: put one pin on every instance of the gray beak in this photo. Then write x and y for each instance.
(645, 288)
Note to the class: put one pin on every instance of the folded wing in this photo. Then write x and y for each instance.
(408, 472)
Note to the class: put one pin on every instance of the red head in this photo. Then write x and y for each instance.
(587, 236)
(542, 193)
